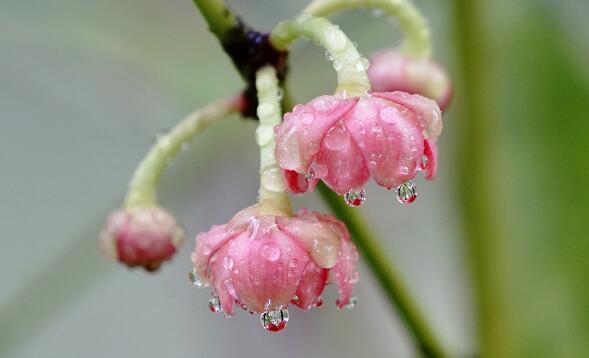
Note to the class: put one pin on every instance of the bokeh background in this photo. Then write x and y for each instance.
(498, 244)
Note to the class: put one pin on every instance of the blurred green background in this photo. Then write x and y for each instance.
(498, 244)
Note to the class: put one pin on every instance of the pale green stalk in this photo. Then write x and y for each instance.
(142, 190)
(417, 40)
(272, 186)
(348, 63)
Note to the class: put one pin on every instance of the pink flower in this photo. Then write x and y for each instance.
(141, 237)
(264, 261)
(391, 71)
(388, 136)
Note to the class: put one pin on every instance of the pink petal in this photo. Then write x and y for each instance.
(298, 183)
(431, 153)
(298, 138)
(427, 111)
(207, 244)
(312, 285)
(389, 140)
(339, 162)
(269, 267)
(345, 273)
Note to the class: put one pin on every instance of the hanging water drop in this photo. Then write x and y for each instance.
(424, 162)
(274, 321)
(407, 192)
(318, 302)
(215, 304)
(193, 277)
(355, 198)
(353, 302)
(294, 300)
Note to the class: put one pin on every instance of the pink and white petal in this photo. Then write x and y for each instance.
(221, 281)
(312, 285)
(270, 268)
(344, 272)
(431, 153)
(428, 113)
(339, 162)
(320, 240)
(298, 138)
(207, 244)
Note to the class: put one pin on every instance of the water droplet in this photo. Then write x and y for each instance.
(274, 321)
(338, 64)
(353, 302)
(318, 302)
(424, 162)
(407, 192)
(294, 300)
(193, 277)
(252, 311)
(355, 198)
(228, 262)
(244, 307)
(280, 94)
(270, 251)
(215, 304)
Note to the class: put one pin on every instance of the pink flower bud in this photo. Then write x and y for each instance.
(391, 71)
(388, 136)
(141, 237)
(265, 261)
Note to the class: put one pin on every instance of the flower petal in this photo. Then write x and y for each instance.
(431, 153)
(298, 138)
(312, 285)
(344, 272)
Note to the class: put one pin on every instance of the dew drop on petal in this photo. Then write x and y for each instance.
(353, 302)
(294, 300)
(215, 304)
(252, 311)
(270, 251)
(424, 162)
(318, 302)
(193, 277)
(407, 192)
(355, 198)
(274, 321)
(228, 262)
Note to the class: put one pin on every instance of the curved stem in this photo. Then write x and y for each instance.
(272, 186)
(220, 19)
(142, 187)
(385, 273)
(348, 63)
(417, 40)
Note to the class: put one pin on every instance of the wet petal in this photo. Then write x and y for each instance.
(344, 272)
(312, 285)
(298, 138)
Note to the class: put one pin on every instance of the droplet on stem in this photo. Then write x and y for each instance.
(407, 192)
(274, 321)
(355, 198)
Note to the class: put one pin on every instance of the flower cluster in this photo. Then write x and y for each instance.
(382, 123)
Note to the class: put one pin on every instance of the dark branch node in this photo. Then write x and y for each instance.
(251, 50)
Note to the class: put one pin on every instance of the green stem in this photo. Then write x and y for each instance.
(348, 63)
(142, 187)
(220, 19)
(417, 40)
(272, 186)
(386, 274)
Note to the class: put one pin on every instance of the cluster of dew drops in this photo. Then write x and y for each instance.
(406, 192)
(272, 320)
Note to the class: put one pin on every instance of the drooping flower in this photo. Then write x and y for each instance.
(141, 237)
(392, 71)
(265, 260)
(388, 136)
